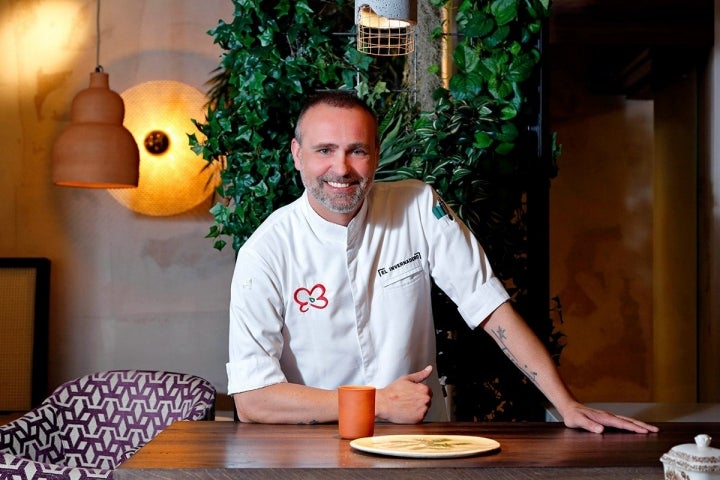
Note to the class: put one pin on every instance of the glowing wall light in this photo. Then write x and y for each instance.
(172, 178)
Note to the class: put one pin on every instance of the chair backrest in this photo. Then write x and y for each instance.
(105, 417)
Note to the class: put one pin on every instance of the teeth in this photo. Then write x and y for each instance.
(338, 185)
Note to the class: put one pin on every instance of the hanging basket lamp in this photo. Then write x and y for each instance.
(384, 27)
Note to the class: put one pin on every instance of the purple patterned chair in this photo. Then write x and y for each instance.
(90, 425)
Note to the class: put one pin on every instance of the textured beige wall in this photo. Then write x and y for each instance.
(625, 241)
(127, 291)
(601, 238)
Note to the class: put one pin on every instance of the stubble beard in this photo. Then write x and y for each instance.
(338, 202)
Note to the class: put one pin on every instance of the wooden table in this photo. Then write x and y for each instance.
(225, 450)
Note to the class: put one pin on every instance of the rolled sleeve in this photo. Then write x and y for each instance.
(482, 303)
(460, 266)
(252, 374)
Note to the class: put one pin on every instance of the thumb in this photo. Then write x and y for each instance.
(421, 375)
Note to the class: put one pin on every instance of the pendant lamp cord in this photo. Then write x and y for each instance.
(98, 67)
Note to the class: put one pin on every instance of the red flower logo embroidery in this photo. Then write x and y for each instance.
(314, 297)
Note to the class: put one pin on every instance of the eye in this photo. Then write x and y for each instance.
(360, 152)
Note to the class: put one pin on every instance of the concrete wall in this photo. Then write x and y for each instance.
(128, 291)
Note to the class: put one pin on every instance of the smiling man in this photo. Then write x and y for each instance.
(336, 155)
(334, 289)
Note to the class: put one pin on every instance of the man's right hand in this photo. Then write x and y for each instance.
(406, 400)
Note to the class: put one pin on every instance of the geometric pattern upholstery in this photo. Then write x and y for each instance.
(88, 426)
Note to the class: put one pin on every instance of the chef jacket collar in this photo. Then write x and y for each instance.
(332, 231)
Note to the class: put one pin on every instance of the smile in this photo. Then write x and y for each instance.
(339, 185)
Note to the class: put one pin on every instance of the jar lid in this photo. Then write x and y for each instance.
(696, 457)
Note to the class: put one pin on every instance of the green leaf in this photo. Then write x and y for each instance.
(460, 173)
(465, 85)
(478, 25)
(441, 167)
(504, 11)
(504, 148)
(482, 140)
(508, 112)
(508, 133)
(459, 57)
(521, 68)
(498, 36)
(437, 33)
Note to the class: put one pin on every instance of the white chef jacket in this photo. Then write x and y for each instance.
(321, 304)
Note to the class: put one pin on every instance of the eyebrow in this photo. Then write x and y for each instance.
(360, 145)
(351, 146)
(323, 145)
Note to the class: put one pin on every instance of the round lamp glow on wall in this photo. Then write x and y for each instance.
(173, 179)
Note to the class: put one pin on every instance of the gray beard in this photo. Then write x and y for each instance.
(338, 204)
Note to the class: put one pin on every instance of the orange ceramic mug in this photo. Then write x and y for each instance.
(356, 411)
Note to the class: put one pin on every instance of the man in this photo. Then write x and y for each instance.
(335, 289)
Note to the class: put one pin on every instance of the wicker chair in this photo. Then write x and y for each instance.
(90, 425)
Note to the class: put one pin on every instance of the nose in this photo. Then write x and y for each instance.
(341, 164)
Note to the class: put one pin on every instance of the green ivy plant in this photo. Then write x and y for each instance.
(477, 146)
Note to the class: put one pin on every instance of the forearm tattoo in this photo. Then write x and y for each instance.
(500, 337)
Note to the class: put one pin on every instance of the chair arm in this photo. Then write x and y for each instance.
(15, 467)
(202, 412)
(33, 436)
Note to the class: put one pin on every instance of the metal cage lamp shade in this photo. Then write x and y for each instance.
(95, 150)
(384, 27)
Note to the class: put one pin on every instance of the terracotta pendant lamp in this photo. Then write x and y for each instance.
(96, 150)
(384, 27)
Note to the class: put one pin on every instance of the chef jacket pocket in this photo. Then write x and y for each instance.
(402, 278)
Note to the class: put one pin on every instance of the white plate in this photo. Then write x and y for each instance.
(425, 446)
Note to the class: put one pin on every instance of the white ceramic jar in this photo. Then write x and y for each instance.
(692, 461)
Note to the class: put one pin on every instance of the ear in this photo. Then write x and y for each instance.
(297, 157)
